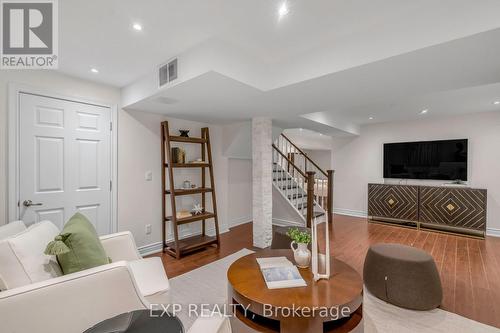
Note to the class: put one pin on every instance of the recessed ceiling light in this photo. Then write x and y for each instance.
(371, 118)
(283, 10)
(94, 70)
(496, 102)
(300, 129)
(424, 111)
(137, 26)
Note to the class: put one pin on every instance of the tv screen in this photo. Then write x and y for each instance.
(440, 160)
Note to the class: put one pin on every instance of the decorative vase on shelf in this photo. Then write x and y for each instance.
(301, 254)
(178, 155)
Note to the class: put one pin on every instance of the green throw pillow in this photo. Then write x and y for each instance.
(77, 247)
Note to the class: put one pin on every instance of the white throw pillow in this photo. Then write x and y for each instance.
(22, 260)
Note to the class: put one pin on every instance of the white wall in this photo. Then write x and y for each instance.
(237, 147)
(359, 161)
(52, 82)
(323, 158)
(237, 140)
(139, 201)
(308, 139)
(283, 213)
(239, 191)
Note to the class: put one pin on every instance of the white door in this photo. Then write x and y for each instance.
(64, 161)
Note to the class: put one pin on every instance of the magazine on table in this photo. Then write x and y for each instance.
(279, 272)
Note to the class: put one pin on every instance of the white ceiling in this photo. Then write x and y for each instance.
(96, 33)
(457, 77)
(307, 139)
(329, 65)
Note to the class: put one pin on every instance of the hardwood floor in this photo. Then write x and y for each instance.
(469, 268)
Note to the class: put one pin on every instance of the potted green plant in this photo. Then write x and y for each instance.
(301, 253)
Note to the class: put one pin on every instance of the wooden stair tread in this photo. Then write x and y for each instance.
(193, 218)
(192, 243)
(182, 191)
(176, 138)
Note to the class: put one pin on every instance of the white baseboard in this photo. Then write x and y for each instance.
(150, 249)
(350, 212)
(153, 248)
(240, 220)
(286, 223)
(494, 232)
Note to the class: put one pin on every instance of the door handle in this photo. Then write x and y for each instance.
(29, 203)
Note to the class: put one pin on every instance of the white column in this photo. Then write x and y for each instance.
(262, 181)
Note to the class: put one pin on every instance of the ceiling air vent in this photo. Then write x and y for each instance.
(168, 72)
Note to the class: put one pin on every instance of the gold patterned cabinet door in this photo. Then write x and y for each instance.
(398, 202)
(461, 208)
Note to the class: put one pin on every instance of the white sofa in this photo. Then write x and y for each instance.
(76, 302)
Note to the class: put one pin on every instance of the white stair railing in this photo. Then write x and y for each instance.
(322, 178)
(292, 181)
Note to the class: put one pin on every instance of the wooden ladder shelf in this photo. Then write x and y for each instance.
(179, 247)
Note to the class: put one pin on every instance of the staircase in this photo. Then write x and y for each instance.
(302, 183)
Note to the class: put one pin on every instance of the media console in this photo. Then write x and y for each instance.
(451, 209)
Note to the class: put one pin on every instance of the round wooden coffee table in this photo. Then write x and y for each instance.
(333, 305)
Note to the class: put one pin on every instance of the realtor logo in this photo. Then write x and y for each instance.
(29, 34)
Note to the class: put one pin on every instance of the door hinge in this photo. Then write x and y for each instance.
(110, 126)
(111, 185)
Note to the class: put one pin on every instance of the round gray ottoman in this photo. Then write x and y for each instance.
(403, 275)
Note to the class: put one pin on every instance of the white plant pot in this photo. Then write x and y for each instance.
(301, 254)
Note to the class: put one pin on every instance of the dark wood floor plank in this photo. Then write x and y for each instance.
(421, 239)
(438, 250)
(464, 300)
(448, 274)
(430, 241)
(411, 236)
(492, 267)
(483, 298)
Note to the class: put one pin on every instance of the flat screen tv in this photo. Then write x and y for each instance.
(440, 160)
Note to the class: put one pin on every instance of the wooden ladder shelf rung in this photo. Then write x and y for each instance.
(189, 165)
(194, 218)
(187, 140)
(178, 247)
(191, 244)
(182, 191)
